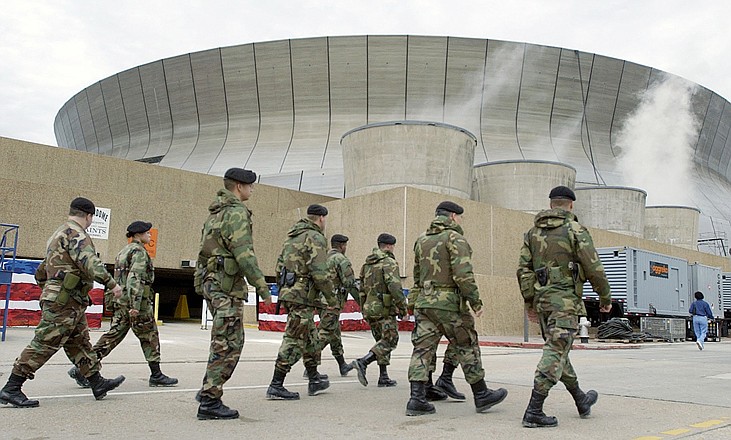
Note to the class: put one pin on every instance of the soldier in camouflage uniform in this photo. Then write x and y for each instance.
(444, 288)
(134, 310)
(303, 276)
(557, 256)
(226, 261)
(328, 332)
(383, 300)
(71, 266)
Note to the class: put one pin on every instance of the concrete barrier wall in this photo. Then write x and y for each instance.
(40, 181)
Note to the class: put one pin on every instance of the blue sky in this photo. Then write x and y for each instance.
(50, 50)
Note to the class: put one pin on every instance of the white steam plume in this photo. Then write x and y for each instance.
(657, 142)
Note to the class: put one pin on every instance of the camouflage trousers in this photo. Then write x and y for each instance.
(385, 332)
(143, 326)
(558, 329)
(328, 332)
(450, 357)
(299, 340)
(459, 329)
(60, 326)
(227, 340)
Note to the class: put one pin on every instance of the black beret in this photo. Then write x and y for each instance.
(338, 238)
(450, 207)
(84, 205)
(240, 175)
(316, 210)
(138, 227)
(386, 239)
(562, 192)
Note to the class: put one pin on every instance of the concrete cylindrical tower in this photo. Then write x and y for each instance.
(427, 155)
(613, 208)
(675, 225)
(522, 185)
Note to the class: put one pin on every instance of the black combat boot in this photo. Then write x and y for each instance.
(344, 368)
(211, 409)
(534, 416)
(100, 386)
(157, 379)
(445, 383)
(276, 390)
(322, 375)
(12, 394)
(583, 401)
(76, 375)
(486, 398)
(418, 406)
(433, 393)
(316, 382)
(383, 379)
(361, 364)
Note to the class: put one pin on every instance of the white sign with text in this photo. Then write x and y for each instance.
(100, 224)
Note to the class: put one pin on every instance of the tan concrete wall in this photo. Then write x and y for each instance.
(494, 233)
(40, 181)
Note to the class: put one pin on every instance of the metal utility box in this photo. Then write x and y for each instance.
(726, 291)
(707, 280)
(645, 283)
(671, 329)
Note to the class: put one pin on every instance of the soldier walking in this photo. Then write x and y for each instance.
(134, 272)
(71, 266)
(226, 261)
(444, 288)
(557, 256)
(383, 300)
(328, 332)
(303, 275)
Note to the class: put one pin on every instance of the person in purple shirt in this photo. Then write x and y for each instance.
(701, 312)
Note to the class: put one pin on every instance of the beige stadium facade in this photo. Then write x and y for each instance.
(45, 179)
(281, 108)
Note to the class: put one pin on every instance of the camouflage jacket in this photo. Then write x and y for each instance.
(305, 256)
(381, 284)
(226, 254)
(133, 271)
(556, 242)
(443, 276)
(71, 251)
(343, 277)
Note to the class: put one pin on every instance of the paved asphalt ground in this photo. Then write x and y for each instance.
(647, 391)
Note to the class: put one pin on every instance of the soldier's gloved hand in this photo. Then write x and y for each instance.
(117, 291)
(605, 309)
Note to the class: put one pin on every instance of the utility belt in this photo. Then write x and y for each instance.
(445, 289)
(228, 269)
(546, 275)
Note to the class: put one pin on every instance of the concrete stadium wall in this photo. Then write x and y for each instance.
(495, 235)
(280, 107)
(40, 181)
